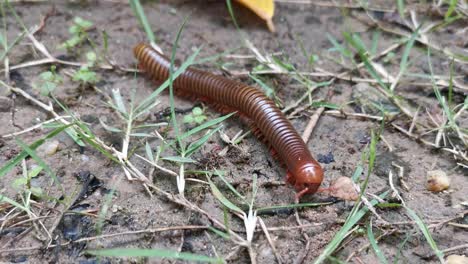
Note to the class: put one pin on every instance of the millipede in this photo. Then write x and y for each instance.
(266, 120)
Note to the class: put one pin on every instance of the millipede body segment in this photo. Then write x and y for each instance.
(304, 173)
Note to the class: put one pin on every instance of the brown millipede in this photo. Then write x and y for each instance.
(304, 173)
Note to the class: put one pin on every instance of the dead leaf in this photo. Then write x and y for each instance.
(265, 9)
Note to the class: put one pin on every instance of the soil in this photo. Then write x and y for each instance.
(339, 143)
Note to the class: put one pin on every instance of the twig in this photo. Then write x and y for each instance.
(389, 232)
(85, 239)
(270, 241)
(458, 225)
(303, 254)
(333, 4)
(344, 114)
(314, 119)
(35, 126)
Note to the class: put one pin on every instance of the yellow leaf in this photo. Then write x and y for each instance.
(263, 8)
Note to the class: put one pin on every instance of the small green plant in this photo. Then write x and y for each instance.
(24, 182)
(85, 75)
(48, 81)
(196, 117)
(78, 32)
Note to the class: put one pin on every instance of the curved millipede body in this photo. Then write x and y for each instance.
(304, 173)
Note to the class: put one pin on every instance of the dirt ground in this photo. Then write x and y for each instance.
(339, 143)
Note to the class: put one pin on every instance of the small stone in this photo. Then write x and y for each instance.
(5, 104)
(437, 181)
(84, 158)
(50, 147)
(4, 91)
(457, 259)
(343, 188)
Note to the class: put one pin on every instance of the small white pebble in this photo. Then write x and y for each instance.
(49, 148)
(457, 259)
(437, 181)
(84, 158)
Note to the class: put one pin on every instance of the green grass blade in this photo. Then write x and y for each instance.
(401, 8)
(344, 51)
(352, 219)
(267, 89)
(150, 99)
(23, 154)
(357, 173)
(219, 233)
(356, 213)
(12, 202)
(171, 86)
(450, 88)
(231, 13)
(197, 144)
(15, 41)
(149, 151)
(427, 234)
(363, 54)
(229, 185)
(119, 102)
(374, 245)
(153, 253)
(204, 126)
(74, 135)
(140, 14)
(31, 152)
(400, 248)
(290, 206)
(451, 8)
(409, 45)
(372, 152)
(219, 195)
(440, 98)
(179, 159)
(89, 138)
(375, 42)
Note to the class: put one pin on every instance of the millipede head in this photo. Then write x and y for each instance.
(307, 178)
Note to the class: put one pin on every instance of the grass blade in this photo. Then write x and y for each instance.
(427, 234)
(149, 100)
(140, 14)
(204, 126)
(451, 8)
(31, 152)
(374, 245)
(12, 202)
(219, 233)
(219, 195)
(229, 185)
(290, 206)
(179, 159)
(119, 102)
(401, 8)
(352, 219)
(158, 253)
(23, 154)
(197, 144)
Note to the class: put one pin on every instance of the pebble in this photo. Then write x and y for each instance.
(457, 259)
(5, 104)
(437, 181)
(49, 148)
